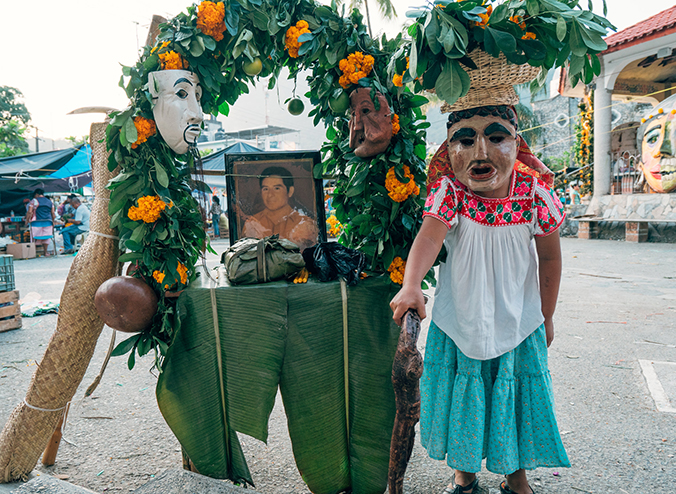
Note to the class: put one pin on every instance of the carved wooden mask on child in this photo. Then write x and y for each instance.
(370, 129)
(482, 151)
(177, 111)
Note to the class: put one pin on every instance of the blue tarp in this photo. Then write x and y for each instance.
(80, 163)
(63, 170)
(36, 164)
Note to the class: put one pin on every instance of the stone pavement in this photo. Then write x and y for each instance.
(613, 365)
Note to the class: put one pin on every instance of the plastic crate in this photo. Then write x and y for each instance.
(6, 273)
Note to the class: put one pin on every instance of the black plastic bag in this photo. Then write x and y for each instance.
(329, 260)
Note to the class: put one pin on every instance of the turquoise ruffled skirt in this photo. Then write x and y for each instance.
(500, 409)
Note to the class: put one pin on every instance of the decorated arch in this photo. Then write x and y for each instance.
(233, 44)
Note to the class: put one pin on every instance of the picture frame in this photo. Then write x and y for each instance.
(275, 192)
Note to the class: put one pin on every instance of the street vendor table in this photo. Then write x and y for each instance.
(237, 344)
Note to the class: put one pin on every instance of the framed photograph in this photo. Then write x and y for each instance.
(275, 192)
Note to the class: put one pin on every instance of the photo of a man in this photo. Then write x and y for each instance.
(276, 197)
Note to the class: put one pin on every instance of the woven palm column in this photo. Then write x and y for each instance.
(31, 424)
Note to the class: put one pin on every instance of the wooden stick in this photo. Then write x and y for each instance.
(406, 371)
(49, 456)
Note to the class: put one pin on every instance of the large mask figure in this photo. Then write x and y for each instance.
(177, 111)
(482, 151)
(657, 140)
(370, 129)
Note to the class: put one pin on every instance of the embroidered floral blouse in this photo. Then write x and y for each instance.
(487, 298)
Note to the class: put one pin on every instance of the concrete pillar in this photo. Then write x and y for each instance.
(602, 126)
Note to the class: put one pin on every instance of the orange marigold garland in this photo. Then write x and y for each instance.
(395, 124)
(334, 226)
(484, 18)
(396, 270)
(183, 273)
(354, 67)
(148, 210)
(172, 61)
(397, 79)
(145, 128)
(210, 17)
(159, 47)
(398, 191)
(159, 276)
(291, 40)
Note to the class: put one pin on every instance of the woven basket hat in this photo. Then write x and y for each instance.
(492, 82)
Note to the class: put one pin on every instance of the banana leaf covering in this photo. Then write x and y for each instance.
(291, 336)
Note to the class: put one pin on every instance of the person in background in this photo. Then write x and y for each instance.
(65, 211)
(40, 208)
(215, 213)
(575, 198)
(80, 224)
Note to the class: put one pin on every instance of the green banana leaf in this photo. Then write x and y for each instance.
(291, 336)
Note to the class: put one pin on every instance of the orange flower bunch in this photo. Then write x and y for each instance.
(528, 35)
(399, 191)
(159, 276)
(395, 124)
(334, 226)
(172, 61)
(148, 210)
(183, 273)
(210, 17)
(517, 19)
(160, 47)
(144, 128)
(396, 270)
(354, 67)
(291, 40)
(397, 78)
(484, 18)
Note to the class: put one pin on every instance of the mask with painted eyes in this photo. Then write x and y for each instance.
(482, 152)
(370, 129)
(657, 142)
(177, 111)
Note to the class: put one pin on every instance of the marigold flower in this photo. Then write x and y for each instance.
(397, 80)
(517, 19)
(334, 226)
(399, 191)
(354, 67)
(528, 35)
(148, 210)
(484, 18)
(210, 17)
(291, 39)
(159, 276)
(145, 128)
(172, 61)
(183, 273)
(395, 124)
(397, 269)
(159, 47)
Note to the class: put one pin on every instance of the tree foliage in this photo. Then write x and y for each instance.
(13, 119)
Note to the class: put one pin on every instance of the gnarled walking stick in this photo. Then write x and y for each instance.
(406, 371)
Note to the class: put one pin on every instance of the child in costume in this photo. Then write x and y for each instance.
(486, 389)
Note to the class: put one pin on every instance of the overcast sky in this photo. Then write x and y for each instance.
(66, 54)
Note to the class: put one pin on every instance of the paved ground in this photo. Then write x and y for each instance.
(614, 355)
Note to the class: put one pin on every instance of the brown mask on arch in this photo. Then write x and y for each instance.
(370, 129)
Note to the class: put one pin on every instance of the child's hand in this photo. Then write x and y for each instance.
(409, 297)
(549, 331)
